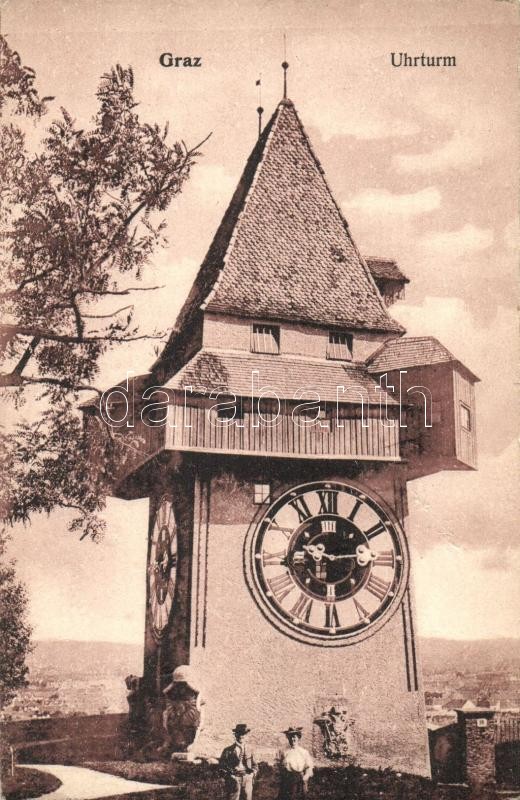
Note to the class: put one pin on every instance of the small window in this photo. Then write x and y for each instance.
(340, 346)
(262, 493)
(465, 417)
(265, 339)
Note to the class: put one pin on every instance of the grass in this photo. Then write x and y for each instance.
(27, 783)
(202, 782)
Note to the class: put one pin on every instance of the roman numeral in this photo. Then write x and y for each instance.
(375, 530)
(328, 502)
(287, 532)
(331, 592)
(377, 587)
(385, 558)
(271, 559)
(328, 526)
(362, 613)
(357, 506)
(302, 608)
(281, 586)
(331, 616)
(301, 508)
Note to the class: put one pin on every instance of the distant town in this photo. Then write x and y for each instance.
(82, 678)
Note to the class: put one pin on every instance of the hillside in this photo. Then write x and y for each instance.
(74, 659)
(483, 655)
(68, 677)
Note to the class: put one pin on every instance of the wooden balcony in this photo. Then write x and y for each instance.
(345, 432)
(344, 435)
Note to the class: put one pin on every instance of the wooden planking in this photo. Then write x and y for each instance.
(466, 440)
(188, 428)
(196, 427)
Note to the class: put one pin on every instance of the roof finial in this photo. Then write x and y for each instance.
(259, 110)
(285, 66)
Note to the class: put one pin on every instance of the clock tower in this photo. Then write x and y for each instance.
(292, 413)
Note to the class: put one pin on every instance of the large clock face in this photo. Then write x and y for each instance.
(327, 564)
(162, 566)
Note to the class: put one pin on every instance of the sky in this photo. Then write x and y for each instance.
(423, 162)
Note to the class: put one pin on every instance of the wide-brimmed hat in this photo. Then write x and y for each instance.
(241, 729)
(183, 674)
(293, 732)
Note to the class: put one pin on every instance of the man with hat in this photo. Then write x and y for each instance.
(239, 766)
(296, 768)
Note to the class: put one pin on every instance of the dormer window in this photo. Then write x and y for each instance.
(340, 346)
(265, 339)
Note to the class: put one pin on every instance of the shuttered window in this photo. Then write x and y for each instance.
(340, 346)
(465, 417)
(265, 339)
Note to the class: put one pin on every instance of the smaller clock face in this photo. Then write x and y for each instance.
(327, 563)
(162, 566)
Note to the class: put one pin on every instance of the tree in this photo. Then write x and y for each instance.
(80, 220)
(14, 631)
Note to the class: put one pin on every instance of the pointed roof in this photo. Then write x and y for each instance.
(283, 249)
(413, 351)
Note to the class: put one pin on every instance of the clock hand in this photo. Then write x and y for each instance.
(332, 557)
(364, 555)
(317, 551)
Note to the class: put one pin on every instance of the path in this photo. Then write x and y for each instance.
(78, 783)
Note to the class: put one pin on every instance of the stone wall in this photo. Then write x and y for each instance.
(478, 736)
(249, 672)
(68, 740)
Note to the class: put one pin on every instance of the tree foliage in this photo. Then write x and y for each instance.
(14, 630)
(80, 219)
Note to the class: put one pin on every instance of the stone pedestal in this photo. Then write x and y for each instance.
(136, 703)
(477, 730)
(182, 715)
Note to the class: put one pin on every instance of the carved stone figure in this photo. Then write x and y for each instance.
(182, 715)
(135, 699)
(336, 727)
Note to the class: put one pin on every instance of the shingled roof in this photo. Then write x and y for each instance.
(412, 351)
(283, 249)
(232, 373)
(385, 269)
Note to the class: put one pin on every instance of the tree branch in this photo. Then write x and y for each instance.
(13, 379)
(119, 292)
(31, 279)
(27, 355)
(107, 316)
(10, 331)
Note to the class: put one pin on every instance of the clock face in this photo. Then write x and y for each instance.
(162, 567)
(327, 564)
